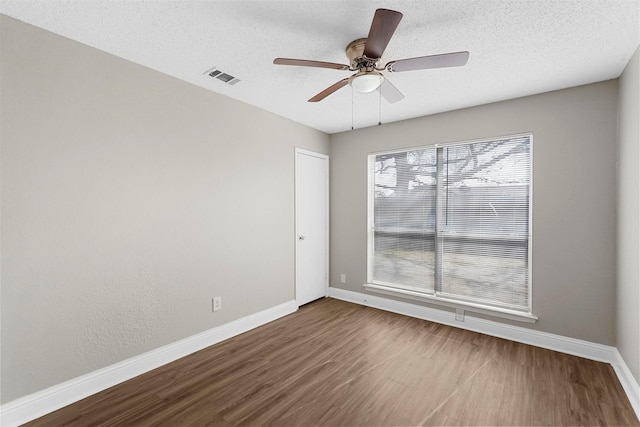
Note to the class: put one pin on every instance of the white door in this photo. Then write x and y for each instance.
(312, 225)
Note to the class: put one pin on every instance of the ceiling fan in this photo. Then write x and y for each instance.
(364, 55)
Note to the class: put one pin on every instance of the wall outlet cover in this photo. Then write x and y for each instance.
(217, 303)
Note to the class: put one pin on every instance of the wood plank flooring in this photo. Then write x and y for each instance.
(335, 363)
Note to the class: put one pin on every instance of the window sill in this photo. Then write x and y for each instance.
(474, 308)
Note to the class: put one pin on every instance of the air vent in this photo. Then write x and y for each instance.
(222, 76)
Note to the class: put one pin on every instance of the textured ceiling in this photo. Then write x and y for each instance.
(516, 47)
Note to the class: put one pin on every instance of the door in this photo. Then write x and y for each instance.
(312, 225)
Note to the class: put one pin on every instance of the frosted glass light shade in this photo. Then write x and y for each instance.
(366, 82)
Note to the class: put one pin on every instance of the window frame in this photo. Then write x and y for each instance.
(519, 315)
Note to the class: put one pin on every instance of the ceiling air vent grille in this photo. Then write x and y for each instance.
(222, 76)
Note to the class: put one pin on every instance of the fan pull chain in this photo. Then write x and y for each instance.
(351, 109)
(379, 107)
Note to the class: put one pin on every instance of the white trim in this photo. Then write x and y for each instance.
(573, 346)
(35, 405)
(628, 382)
(454, 303)
(371, 166)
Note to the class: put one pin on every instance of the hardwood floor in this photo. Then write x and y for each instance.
(336, 363)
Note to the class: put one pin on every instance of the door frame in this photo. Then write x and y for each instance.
(296, 213)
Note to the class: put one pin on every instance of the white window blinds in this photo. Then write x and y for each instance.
(453, 221)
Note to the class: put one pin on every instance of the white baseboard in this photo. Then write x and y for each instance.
(576, 347)
(35, 405)
(586, 349)
(629, 383)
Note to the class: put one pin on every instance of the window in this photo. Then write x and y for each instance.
(451, 223)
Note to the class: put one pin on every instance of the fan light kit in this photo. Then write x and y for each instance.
(364, 55)
(366, 81)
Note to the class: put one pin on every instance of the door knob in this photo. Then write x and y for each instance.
(300, 237)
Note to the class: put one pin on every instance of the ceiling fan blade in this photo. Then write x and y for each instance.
(328, 91)
(455, 59)
(309, 63)
(391, 93)
(383, 26)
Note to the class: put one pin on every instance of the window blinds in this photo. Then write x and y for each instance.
(453, 221)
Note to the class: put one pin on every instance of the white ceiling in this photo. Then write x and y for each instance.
(516, 47)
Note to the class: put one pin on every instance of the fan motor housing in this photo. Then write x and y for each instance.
(355, 53)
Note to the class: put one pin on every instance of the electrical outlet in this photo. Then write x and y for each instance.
(459, 315)
(343, 278)
(217, 303)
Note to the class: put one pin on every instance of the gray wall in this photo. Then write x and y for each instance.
(129, 200)
(574, 198)
(628, 297)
